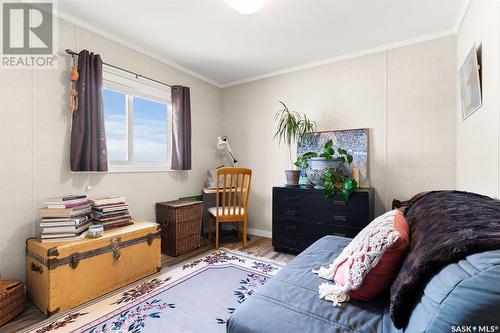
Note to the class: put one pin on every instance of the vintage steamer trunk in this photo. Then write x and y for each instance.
(63, 275)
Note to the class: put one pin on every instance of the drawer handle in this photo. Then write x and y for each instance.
(291, 227)
(291, 241)
(340, 218)
(291, 212)
(339, 202)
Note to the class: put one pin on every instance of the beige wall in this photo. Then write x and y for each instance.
(478, 146)
(34, 143)
(406, 96)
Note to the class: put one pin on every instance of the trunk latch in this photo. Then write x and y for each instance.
(74, 260)
(150, 239)
(115, 246)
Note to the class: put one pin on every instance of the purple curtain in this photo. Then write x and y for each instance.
(88, 139)
(181, 128)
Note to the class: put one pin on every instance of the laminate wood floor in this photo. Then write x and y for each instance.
(258, 246)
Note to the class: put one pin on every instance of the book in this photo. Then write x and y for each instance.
(64, 234)
(107, 200)
(113, 218)
(55, 222)
(121, 204)
(64, 219)
(66, 212)
(109, 208)
(118, 224)
(65, 239)
(66, 204)
(112, 212)
(66, 198)
(65, 229)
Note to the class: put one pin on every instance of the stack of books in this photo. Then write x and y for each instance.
(65, 218)
(110, 212)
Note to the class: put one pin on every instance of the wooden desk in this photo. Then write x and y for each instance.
(209, 201)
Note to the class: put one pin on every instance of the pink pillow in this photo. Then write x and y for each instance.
(381, 276)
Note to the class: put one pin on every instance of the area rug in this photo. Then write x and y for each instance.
(198, 296)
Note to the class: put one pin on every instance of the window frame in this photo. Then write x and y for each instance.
(132, 86)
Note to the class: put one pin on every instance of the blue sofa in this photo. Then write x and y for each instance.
(463, 294)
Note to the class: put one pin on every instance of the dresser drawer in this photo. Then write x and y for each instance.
(293, 228)
(337, 230)
(296, 237)
(322, 216)
(359, 201)
(291, 243)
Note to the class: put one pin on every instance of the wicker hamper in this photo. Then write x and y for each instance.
(11, 299)
(180, 222)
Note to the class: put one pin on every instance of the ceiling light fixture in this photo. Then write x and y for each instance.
(247, 6)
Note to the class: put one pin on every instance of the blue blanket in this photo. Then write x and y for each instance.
(289, 302)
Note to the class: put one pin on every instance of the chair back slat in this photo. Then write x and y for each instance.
(233, 186)
(236, 196)
(224, 188)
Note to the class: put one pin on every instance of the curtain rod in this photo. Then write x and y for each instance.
(73, 53)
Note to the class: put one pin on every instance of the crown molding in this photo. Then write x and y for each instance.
(377, 49)
(82, 24)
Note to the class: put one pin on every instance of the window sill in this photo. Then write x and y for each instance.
(131, 169)
(137, 169)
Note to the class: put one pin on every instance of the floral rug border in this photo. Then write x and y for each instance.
(131, 295)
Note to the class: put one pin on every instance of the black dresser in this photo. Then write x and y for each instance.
(301, 216)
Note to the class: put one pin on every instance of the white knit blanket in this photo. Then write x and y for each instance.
(361, 255)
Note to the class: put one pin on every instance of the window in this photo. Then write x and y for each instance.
(138, 123)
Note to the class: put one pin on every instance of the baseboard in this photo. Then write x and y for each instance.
(259, 232)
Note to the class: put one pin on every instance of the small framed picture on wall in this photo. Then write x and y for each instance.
(470, 84)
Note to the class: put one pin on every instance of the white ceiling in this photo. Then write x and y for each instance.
(209, 38)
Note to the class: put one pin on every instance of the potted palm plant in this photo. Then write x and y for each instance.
(291, 127)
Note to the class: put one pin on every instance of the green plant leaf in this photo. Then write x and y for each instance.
(291, 126)
(310, 154)
(349, 159)
(326, 156)
(328, 189)
(303, 160)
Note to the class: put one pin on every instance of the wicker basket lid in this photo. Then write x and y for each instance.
(180, 203)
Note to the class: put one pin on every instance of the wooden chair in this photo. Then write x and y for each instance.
(231, 200)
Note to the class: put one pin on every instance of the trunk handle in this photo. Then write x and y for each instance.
(36, 268)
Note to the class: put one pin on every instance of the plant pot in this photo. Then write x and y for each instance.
(292, 177)
(318, 166)
(321, 163)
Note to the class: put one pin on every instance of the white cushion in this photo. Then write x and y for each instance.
(227, 211)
